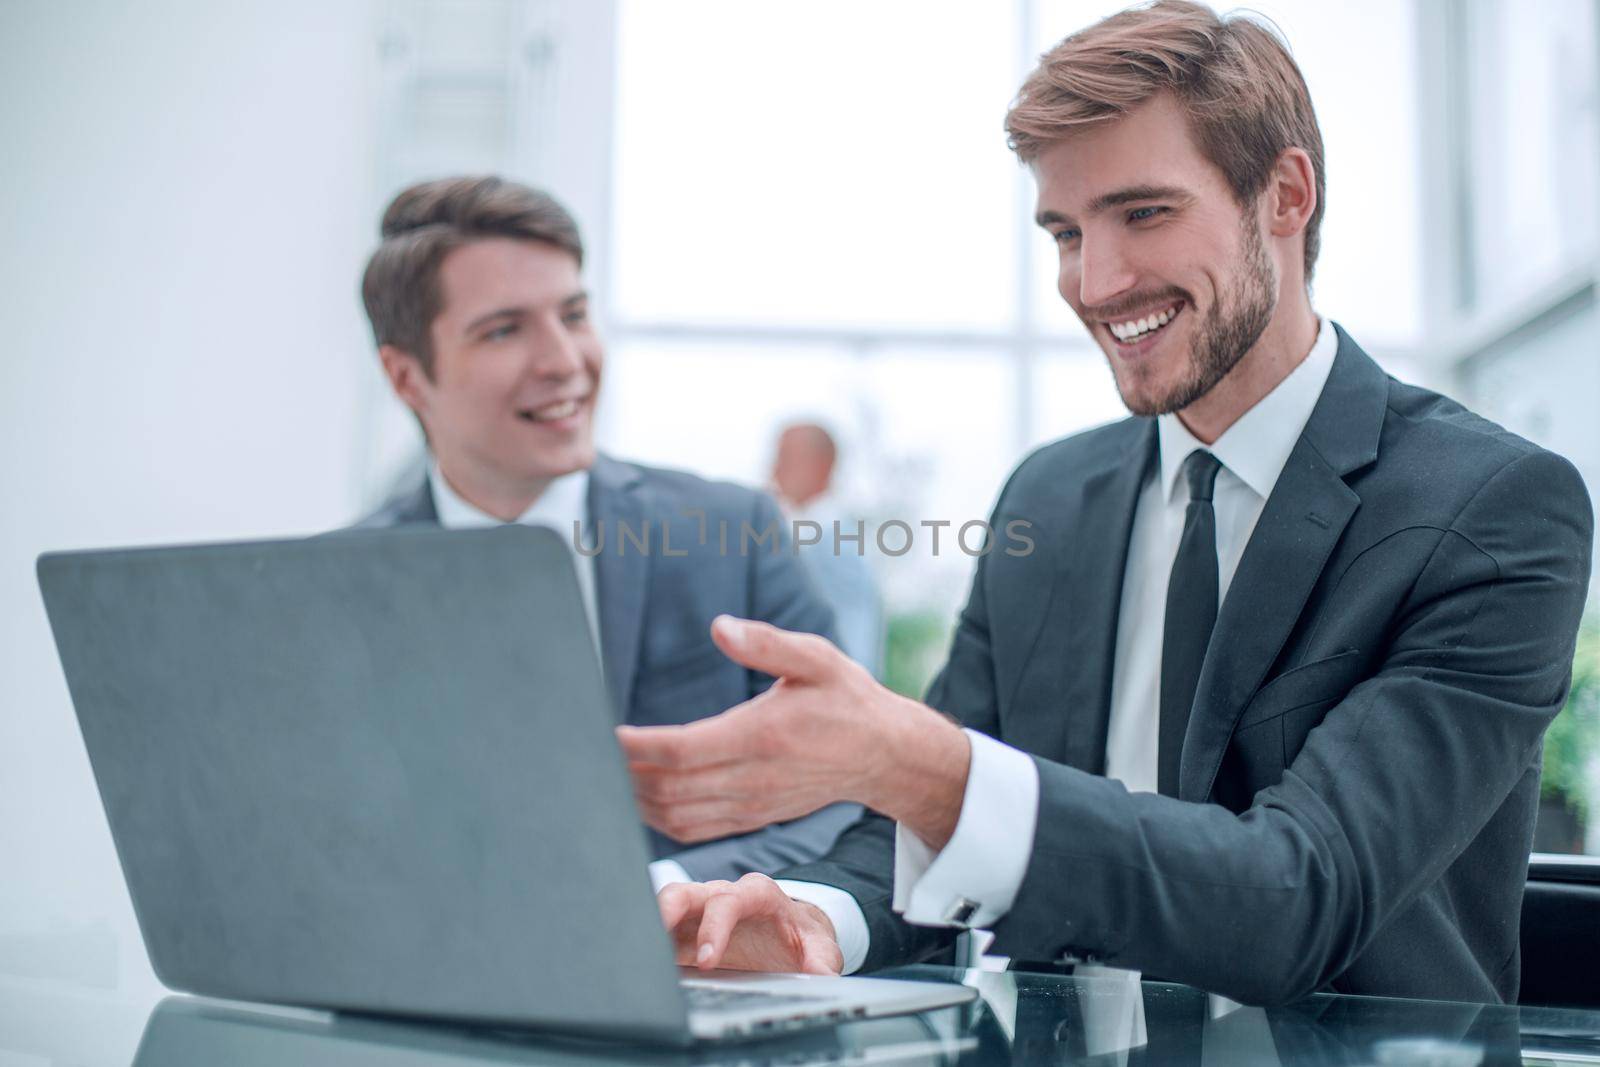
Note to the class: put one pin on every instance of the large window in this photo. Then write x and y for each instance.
(816, 216)
(1531, 146)
(1515, 265)
(810, 212)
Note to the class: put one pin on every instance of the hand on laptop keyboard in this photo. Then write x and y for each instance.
(748, 925)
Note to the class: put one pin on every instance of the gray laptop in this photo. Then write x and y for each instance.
(376, 772)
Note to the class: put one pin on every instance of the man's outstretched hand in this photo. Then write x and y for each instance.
(825, 732)
(748, 925)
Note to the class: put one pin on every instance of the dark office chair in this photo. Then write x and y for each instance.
(1561, 932)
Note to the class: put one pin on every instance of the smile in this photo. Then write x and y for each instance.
(1135, 330)
(552, 412)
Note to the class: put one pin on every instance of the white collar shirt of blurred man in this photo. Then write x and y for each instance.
(562, 507)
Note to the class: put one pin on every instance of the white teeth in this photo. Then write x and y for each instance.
(551, 412)
(1127, 331)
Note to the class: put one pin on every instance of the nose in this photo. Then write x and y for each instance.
(1103, 271)
(554, 352)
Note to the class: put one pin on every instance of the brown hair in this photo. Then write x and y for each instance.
(424, 223)
(1244, 95)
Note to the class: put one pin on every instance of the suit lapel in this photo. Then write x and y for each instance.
(1300, 524)
(620, 577)
(416, 506)
(1067, 678)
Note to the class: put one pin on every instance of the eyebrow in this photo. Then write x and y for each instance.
(487, 317)
(490, 316)
(1116, 198)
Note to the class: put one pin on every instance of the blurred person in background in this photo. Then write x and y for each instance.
(482, 323)
(1263, 713)
(831, 543)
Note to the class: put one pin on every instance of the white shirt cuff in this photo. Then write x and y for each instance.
(849, 925)
(980, 870)
(666, 872)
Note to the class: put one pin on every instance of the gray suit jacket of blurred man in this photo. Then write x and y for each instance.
(655, 615)
(840, 572)
(1360, 773)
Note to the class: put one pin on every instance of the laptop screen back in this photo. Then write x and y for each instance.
(372, 771)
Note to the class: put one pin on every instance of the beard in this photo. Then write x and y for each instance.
(1229, 330)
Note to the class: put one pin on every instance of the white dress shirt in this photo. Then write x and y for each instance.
(564, 508)
(987, 856)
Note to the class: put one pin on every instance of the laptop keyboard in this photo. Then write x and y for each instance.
(717, 998)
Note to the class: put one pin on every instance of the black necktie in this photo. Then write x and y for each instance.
(1191, 613)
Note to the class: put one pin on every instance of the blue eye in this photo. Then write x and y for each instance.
(1140, 214)
(576, 317)
(1066, 235)
(500, 333)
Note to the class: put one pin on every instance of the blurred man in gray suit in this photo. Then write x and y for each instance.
(482, 325)
(830, 545)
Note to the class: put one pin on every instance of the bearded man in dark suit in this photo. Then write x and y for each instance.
(1263, 712)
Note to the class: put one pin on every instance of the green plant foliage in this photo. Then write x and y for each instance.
(1573, 739)
(914, 650)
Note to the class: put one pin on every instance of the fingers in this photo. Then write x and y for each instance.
(698, 805)
(680, 901)
(732, 803)
(682, 905)
(727, 905)
(723, 738)
(722, 914)
(780, 653)
(819, 942)
(702, 822)
(690, 785)
(734, 735)
(822, 956)
(750, 924)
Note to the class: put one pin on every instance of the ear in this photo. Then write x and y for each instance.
(1294, 193)
(406, 377)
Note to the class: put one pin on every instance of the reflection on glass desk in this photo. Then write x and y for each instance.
(1019, 1018)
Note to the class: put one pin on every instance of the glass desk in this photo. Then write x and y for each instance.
(1020, 1018)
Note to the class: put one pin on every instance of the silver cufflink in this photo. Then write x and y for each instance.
(960, 912)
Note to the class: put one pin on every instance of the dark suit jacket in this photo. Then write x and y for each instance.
(1361, 769)
(656, 607)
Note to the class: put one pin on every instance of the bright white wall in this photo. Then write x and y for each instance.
(187, 199)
